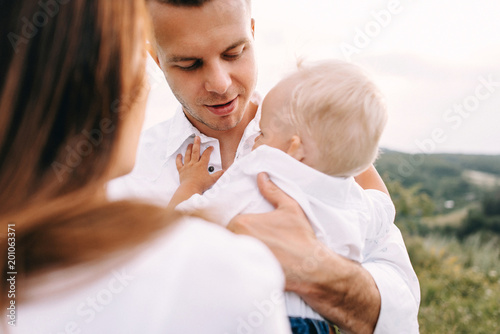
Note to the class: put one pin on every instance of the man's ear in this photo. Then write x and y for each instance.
(252, 25)
(152, 51)
(296, 148)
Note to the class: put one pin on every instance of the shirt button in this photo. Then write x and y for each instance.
(211, 169)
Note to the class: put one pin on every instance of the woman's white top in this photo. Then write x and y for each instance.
(194, 278)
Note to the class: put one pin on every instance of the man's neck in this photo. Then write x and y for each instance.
(229, 140)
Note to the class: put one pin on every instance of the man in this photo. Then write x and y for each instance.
(205, 49)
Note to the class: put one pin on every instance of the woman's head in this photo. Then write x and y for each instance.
(71, 89)
(72, 95)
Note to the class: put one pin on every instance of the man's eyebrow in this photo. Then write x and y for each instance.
(176, 59)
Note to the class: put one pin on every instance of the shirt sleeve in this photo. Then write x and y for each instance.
(387, 260)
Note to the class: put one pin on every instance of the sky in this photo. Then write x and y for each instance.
(436, 62)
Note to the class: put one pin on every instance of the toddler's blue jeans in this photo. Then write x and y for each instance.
(308, 326)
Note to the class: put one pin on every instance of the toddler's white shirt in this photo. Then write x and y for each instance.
(343, 215)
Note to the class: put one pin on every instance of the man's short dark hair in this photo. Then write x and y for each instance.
(184, 3)
(187, 3)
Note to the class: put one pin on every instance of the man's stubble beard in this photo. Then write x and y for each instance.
(216, 126)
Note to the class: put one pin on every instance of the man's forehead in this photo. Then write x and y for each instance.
(183, 30)
(215, 9)
(232, 5)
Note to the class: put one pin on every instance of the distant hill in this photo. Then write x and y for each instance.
(458, 177)
(403, 165)
(482, 179)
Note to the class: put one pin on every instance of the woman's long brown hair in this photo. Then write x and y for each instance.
(69, 72)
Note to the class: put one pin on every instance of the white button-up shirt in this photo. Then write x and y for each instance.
(155, 179)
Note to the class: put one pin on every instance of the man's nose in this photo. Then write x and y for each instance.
(217, 79)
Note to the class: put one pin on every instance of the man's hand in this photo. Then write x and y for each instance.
(337, 288)
(193, 173)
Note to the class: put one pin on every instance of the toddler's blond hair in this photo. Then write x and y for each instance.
(337, 106)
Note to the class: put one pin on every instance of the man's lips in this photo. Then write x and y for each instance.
(223, 109)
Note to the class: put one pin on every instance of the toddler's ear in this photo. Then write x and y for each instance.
(296, 148)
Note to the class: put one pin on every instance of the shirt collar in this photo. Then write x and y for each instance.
(180, 130)
(280, 166)
(252, 130)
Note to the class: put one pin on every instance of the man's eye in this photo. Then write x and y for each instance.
(232, 56)
(235, 54)
(192, 67)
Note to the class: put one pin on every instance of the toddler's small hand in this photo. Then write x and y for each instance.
(193, 172)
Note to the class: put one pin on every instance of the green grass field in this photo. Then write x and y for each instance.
(455, 249)
(460, 284)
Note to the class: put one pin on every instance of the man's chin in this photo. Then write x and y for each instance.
(226, 123)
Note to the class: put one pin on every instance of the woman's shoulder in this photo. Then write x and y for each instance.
(217, 279)
(197, 241)
(195, 277)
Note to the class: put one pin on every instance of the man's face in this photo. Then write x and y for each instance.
(207, 56)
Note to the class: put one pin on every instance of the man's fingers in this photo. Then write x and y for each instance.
(271, 192)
